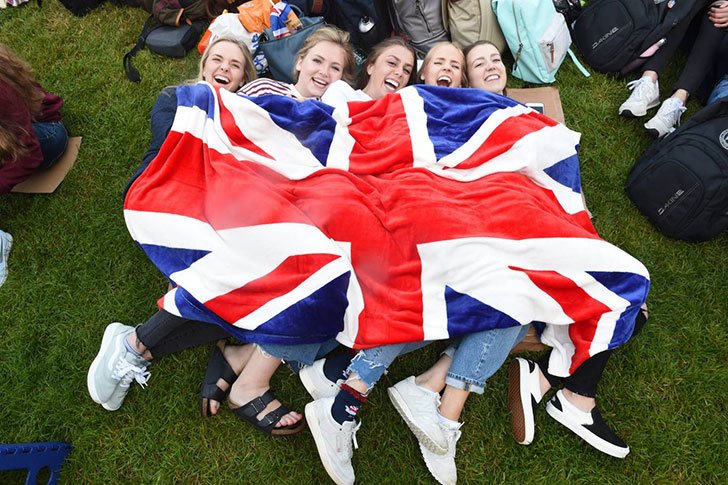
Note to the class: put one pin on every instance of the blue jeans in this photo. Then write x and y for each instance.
(297, 356)
(53, 140)
(477, 356)
(719, 91)
(371, 364)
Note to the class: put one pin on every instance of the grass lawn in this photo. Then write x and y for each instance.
(74, 269)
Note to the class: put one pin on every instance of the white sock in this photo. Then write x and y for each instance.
(447, 422)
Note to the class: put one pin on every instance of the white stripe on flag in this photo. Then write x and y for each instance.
(423, 151)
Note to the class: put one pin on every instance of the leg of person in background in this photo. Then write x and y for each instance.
(574, 406)
(332, 418)
(646, 90)
(463, 368)
(53, 140)
(700, 61)
(126, 352)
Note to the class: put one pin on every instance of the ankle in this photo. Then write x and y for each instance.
(583, 403)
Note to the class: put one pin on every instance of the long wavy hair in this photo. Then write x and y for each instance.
(377, 51)
(18, 76)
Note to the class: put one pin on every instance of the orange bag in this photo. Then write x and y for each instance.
(255, 15)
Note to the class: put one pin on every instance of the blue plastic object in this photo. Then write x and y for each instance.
(34, 457)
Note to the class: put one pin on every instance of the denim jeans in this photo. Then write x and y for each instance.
(297, 356)
(371, 364)
(719, 91)
(53, 140)
(477, 356)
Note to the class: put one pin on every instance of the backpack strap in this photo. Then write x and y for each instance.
(578, 64)
(131, 73)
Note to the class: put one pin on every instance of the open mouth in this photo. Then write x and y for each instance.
(222, 80)
(492, 77)
(319, 82)
(444, 81)
(391, 84)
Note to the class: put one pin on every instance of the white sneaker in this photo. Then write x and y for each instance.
(114, 368)
(333, 440)
(6, 242)
(589, 426)
(524, 394)
(645, 95)
(442, 467)
(667, 118)
(418, 407)
(316, 383)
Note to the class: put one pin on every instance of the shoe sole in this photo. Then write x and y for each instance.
(105, 341)
(6, 255)
(638, 114)
(318, 438)
(581, 432)
(432, 472)
(522, 421)
(400, 405)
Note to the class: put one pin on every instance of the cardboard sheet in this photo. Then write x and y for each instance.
(47, 181)
(549, 96)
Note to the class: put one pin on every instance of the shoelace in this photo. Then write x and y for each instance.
(639, 86)
(348, 440)
(126, 372)
(674, 109)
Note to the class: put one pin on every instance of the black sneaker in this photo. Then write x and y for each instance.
(588, 426)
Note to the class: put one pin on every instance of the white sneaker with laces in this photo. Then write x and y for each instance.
(114, 368)
(443, 467)
(333, 440)
(645, 95)
(666, 118)
(418, 407)
(316, 383)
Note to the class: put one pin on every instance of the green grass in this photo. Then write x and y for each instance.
(73, 269)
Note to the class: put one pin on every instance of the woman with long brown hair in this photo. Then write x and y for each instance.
(32, 136)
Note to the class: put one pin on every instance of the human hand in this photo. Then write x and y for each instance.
(718, 14)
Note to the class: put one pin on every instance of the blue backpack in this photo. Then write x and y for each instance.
(537, 36)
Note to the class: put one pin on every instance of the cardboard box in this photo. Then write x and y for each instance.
(47, 181)
(549, 96)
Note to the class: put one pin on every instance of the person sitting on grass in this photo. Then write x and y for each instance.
(32, 135)
(243, 371)
(646, 90)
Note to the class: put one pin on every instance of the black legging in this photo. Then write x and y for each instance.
(586, 377)
(165, 334)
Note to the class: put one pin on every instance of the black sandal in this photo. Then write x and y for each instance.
(217, 368)
(267, 425)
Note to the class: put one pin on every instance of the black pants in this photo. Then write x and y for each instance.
(165, 334)
(702, 56)
(585, 379)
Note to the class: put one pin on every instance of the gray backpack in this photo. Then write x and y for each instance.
(420, 21)
(472, 20)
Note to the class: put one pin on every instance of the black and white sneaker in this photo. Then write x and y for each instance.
(524, 394)
(588, 426)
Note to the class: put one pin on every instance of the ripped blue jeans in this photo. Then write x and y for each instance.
(371, 364)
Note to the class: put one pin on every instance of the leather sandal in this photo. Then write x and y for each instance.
(249, 412)
(217, 368)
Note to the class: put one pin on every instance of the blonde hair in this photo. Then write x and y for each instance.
(18, 75)
(249, 73)
(428, 60)
(377, 51)
(336, 36)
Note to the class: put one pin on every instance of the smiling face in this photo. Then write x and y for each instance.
(485, 69)
(443, 67)
(389, 72)
(225, 66)
(322, 65)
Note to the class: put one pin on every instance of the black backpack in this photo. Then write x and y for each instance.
(612, 34)
(681, 182)
(366, 21)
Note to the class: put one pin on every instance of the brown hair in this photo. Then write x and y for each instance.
(248, 70)
(18, 75)
(336, 36)
(467, 50)
(428, 59)
(377, 51)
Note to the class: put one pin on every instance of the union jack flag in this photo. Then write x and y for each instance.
(428, 214)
